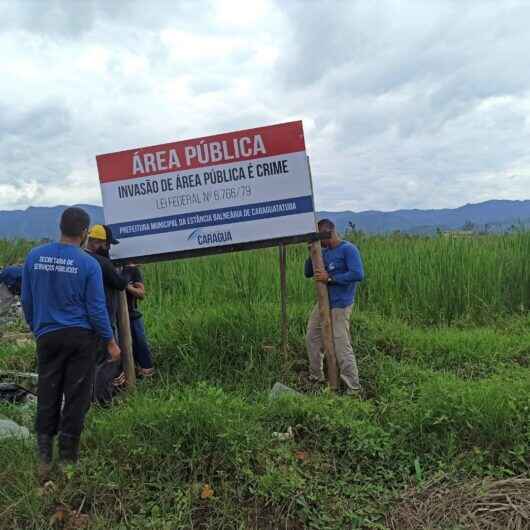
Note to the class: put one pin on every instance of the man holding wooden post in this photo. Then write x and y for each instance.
(343, 269)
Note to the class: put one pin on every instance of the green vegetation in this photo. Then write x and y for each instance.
(442, 332)
(13, 251)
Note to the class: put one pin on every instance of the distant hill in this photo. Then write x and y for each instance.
(495, 216)
(39, 222)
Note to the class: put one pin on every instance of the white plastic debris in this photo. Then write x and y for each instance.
(281, 389)
(10, 429)
(283, 436)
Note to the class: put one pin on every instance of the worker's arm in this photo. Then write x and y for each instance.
(111, 277)
(26, 296)
(354, 264)
(137, 289)
(136, 285)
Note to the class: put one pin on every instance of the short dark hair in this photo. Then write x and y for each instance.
(326, 224)
(74, 221)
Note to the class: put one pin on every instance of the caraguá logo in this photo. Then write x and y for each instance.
(210, 237)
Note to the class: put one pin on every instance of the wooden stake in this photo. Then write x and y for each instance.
(283, 296)
(126, 340)
(325, 317)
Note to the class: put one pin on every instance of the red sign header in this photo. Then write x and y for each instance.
(213, 150)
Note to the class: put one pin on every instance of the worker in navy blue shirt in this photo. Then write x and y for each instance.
(10, 284)
(11, 277)
(64, 305)
(135, 292)
(343, 270)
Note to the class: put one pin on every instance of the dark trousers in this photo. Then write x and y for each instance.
(106, 372)
(141, 351)
(66, 360)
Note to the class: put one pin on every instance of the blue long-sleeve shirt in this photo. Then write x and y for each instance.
(62, 287)
(345, 267)
(12, 278)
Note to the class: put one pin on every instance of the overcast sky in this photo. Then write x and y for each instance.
(405, 104)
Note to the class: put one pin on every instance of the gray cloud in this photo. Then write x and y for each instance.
(405, 104)
(28, 138)
(424, 103)
(57, 18)
(45, 121)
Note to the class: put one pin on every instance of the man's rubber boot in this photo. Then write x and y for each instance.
(68, 449)
(45, 450)
(355, 393)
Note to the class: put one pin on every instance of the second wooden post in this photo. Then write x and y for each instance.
(125, 337)
(283, 298)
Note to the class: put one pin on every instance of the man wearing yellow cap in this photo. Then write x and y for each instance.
(108, 374)
(100, 239)
(100, 233)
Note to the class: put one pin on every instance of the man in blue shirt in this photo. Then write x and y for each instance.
(343, 270)
(64, 305)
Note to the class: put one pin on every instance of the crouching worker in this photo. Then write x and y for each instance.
(343, 270)
(135, 292)
(10, 286)
(64, 305)
(11, 277)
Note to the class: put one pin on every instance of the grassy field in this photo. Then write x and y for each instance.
(442, 333)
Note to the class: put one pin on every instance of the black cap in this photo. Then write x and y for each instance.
(110, 238)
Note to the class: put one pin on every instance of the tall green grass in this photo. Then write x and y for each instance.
(446, 279)
(419, 279)
(13, 251)
(450, 398)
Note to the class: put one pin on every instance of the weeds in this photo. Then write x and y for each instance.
(441, 335)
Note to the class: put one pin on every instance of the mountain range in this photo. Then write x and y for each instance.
(493, 216)
(39, 222)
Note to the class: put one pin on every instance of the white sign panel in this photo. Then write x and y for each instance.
(232, 188)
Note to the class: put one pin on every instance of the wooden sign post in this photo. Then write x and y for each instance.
(325, 317)
(126, 340)
(283, 298)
